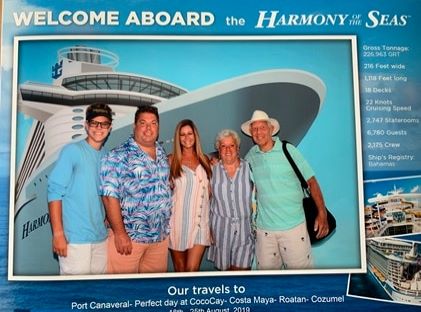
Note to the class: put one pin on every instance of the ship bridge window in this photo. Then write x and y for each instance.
(113, 83)
(134, 85)
(121, 82)
(92, 85)
(155, 90)
(101, 84)
(125, 84)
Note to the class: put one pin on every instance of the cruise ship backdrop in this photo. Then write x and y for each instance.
(396, 266)
(85, 75)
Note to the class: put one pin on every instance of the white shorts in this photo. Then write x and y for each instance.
(290, 249)
(84, 259)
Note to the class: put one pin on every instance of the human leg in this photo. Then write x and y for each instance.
(194, 258)
(267, 251)
(179, 260)
(77, 261)
(296, 248)
(118, 263)
(99, 258)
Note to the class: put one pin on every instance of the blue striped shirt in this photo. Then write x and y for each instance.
(231, 198)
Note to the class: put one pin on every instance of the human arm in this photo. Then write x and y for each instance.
(57, 189)
(321, 225)
(59, 239)
(110, 188)
(122, 241)
(213, 158)
(171, 180)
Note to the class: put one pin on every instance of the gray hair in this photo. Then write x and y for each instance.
(227, 133)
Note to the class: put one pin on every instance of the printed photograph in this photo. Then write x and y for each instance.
(394, 271)
(149, 156)
(392, 206)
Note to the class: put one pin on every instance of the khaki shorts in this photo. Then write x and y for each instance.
(290, 249)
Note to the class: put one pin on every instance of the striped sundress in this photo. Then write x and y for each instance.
(189, 223)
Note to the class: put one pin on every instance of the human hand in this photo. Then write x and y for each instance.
(123, 243)
(213, 160)
(321, 226)
(60, 244)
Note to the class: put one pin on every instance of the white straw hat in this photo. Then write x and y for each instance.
(259, 115)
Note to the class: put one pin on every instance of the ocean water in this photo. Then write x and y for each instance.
(365, 285)
(59, 295)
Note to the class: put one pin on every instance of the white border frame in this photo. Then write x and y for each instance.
(359, 166)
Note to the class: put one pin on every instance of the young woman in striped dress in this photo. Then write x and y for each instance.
(190, 173)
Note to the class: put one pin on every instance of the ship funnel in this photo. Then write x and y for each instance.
(88, 55)
(83, 54)
(77, 60)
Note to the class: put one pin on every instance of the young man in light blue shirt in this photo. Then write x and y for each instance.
(76, 211)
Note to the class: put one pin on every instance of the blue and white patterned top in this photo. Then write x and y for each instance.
(142, 186)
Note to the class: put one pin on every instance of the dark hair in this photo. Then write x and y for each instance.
(146, 109)
(98, 109)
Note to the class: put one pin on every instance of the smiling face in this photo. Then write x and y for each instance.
(261, 132)
(146, 129)
(187, 138)
(97, 129)
(228, 150)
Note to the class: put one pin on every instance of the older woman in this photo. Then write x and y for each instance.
(230, 210)
(190, 173)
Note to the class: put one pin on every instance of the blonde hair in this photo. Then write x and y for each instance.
(175, 166)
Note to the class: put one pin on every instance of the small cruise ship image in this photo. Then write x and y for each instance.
(396, 266)
(395, 213)
(84, 75)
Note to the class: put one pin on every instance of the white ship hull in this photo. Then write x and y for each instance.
(387, 268)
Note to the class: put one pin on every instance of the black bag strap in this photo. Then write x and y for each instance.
(297, 171)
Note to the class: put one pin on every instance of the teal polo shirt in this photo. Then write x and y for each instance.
(278, 190)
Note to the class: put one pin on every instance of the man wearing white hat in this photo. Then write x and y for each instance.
(282, 240)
